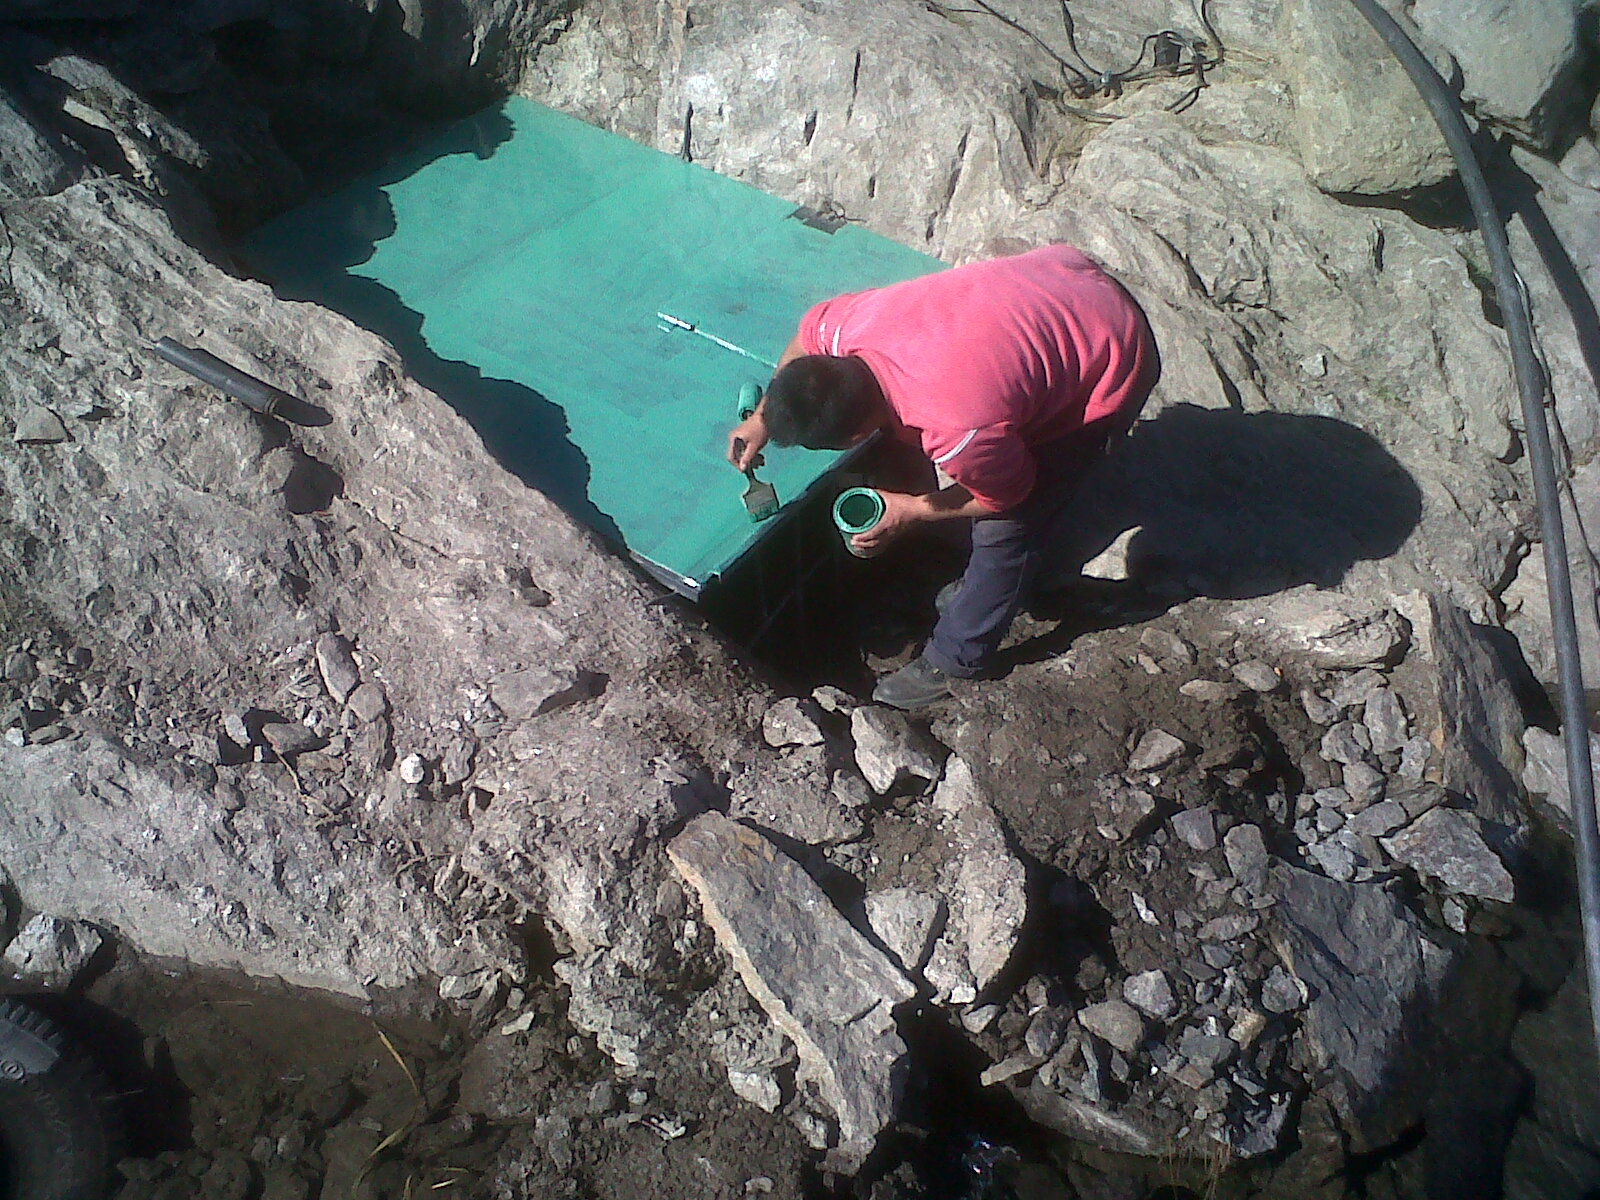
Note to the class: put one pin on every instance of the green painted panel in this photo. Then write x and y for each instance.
(520, 264)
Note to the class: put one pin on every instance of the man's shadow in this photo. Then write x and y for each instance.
(313, 257)
(1225, 504)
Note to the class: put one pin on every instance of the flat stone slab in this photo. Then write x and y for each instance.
(829, 990)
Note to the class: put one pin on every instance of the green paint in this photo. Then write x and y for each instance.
(522, 264)
(857, 510)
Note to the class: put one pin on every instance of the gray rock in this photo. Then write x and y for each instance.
(1519, 61)
(1046, 1032)
(1209, 691)
(413, 769)
(1166, 645)
(1257, 675)
(1382, 818)
(368, 702)
(1373, 140)
(1257, 1129)
(1446, 845)
(985, 891)
(289, 738)
(1342, 744)
(1196, 827)
(340, 674)
(1281, 992)
(1329, 629)
(799, 798)
(1368, 970)
(1120, 811)
(829, 991)
(1009, 1068)
(1385, 719)
(1206, 1052)
(1151, 994)
(1363, 783)
(457, 765)
(522, 695)
(20, 668)
(1320, 711)
(791, 722)
(1228, 927)
(1156, 749)
(888, 749)
(903, 920)
(1545, 770)
(1247, 855)
(39, 426)
(1357, 688)
(35, 163)
(1116, 1022)
(50, 953)
(1336, 856)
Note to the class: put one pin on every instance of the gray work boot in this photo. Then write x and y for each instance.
(916, 685)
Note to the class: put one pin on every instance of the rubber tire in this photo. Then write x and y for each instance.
(59, 1133)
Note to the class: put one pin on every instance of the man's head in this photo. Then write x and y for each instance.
(823, 403)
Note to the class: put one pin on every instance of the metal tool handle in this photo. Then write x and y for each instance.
(253, 393)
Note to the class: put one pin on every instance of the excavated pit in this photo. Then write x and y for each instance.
(811, 615)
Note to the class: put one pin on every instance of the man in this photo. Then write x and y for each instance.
(1010, 376)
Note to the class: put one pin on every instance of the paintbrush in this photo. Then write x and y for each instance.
(760, 499)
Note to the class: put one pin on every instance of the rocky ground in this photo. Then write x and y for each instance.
(1248, 877)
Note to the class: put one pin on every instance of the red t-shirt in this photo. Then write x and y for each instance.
(984, 361)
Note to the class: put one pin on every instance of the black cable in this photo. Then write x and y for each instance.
(1532, 384)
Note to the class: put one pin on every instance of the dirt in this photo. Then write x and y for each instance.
(234, 1090)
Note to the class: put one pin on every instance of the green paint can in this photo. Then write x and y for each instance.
(855, 511)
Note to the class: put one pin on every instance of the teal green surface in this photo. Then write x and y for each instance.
(519, 262)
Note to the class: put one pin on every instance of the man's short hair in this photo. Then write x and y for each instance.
(818, 401)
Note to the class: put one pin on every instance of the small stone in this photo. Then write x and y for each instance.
(1381, 819)
(888, 749)
(1209, 691)
(46, 734)
(1447, 845)
(758, 1087)
(335, 660)
(1364, 784)
(16, 736)
(904, 920)
(1246, 853)
(1155, 750)
(1009, 1068)
(1217, 956)
(20, 668)
(367, 702)
(413, 769)
(1415, 756)
(788, 723)
(1196, 827)
(1206, 1051)
(38, 426)
(1121, 812)
(976, 1020)
(288, 738)
(1341, 745)
(1116, 1022)
(1047, 1031)
(1166, 645)
(1246, 1028)
(50, 953)
(1228, 927)
(1151, 994)
(1257, 676)
(1355, 690)
(463, 987)
(1282, 992)
(523, 695)
(1386, 722)
(833, 699)
(1336, 858)
(456, 766)
(1321, 712)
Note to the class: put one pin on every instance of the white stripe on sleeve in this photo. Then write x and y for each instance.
(959, 447)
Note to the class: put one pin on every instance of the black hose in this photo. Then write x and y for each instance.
(1531, 384)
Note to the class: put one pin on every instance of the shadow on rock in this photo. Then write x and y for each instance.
(1224, 504)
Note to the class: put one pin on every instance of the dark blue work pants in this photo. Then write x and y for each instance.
(1005, 557)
